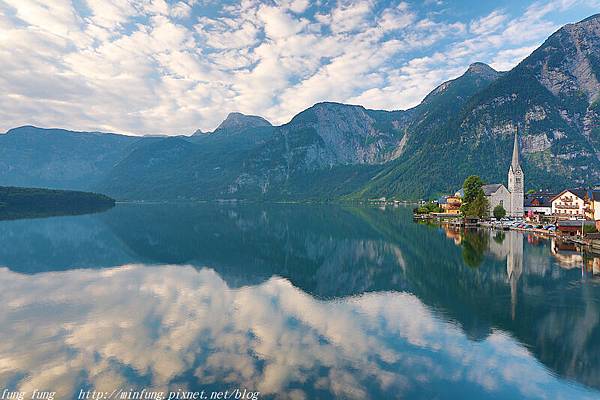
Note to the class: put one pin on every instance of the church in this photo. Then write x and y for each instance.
(512, 198)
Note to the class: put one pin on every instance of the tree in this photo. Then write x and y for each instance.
(431, 207)
(499, 212)
(480, 207)
(471, 187)
(474, 204)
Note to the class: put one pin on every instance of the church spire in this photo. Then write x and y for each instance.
(515, 156)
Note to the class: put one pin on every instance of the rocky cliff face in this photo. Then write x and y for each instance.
(328, 148)
(237, 121)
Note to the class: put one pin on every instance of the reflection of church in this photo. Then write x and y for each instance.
(514, 266)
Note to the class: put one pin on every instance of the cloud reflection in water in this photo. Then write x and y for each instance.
(169, 327)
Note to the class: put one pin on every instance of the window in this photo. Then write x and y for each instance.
(501, 203)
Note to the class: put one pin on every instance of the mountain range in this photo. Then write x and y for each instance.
(330, 151)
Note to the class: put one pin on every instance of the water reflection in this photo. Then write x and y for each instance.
(177, 326)
(302, 302)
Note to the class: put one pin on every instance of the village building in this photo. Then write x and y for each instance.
(594, 205)
(571, 204)
(538, 205)
(450, 204)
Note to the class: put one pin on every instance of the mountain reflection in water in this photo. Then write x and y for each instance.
(294, 301)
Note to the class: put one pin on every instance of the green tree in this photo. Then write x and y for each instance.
(480, 207)
(471, 187)
(589, 229)
(474, 202)
(431, 207)
(499, 212)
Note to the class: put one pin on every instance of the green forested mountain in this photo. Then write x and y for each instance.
(331, 150)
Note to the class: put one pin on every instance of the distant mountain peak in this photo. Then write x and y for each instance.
(480, 68)
(237, 120)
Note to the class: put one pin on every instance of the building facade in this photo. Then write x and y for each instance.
(538, 204)
(450, 204)
(570, 204)
(577, 204)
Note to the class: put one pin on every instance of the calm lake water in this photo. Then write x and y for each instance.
(298, 302)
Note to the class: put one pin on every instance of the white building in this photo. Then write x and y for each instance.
(539, 203)
(570, 203)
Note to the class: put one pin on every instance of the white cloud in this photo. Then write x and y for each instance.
(151, 66)
(278, 23)
(349, 16)
(488, 24)
(506, 59)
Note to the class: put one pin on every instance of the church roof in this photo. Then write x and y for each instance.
(491, 188)
(515, 156)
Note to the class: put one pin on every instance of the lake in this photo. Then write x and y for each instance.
(294, 302)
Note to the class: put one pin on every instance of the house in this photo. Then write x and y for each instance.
(450, 204)
(572, 227)
(538, 204)
(577, 204)
(594, 203)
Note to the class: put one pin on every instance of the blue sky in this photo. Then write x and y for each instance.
(155, 66)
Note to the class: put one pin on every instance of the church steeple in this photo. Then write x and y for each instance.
(515, 156)
(516, 181)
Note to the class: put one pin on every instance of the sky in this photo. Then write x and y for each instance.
(171, 67)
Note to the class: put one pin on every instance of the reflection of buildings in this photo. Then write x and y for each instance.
(593, 265)
(566, 253)
(453, 233)
(514, 266)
